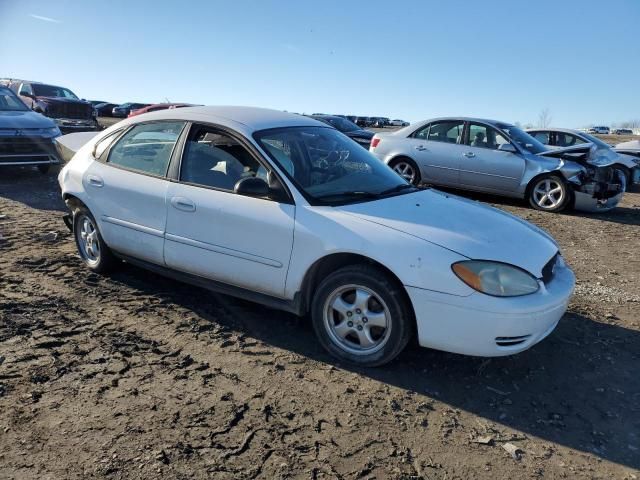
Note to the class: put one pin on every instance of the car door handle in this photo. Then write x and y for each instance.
(421, 148)
(184, 204)
(469, 154)
(95, 181)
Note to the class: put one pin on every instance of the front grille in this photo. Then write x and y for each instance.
(25, 145)
(547, 270)
(511, 341)
(78, 111)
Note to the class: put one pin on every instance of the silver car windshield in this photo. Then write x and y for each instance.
(328, 166)
(595, 140)
(523, 139)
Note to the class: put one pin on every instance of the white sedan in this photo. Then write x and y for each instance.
(288, 212)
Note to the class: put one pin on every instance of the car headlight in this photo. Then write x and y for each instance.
(52, 132)
(495, 278)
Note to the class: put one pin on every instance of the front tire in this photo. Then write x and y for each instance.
(549, 193)
(362, 316)
(95, 254)
(407, 169)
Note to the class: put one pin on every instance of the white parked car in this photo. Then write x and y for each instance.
(398, 123)
(599, 130)
(288, 212)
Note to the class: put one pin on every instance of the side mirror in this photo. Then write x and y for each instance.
(27, 94)
(252, 187)
(507, 147)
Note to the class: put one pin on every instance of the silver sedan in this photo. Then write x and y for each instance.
(499, 158)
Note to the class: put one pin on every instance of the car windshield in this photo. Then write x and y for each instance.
(343, 124)
(523, 139)
(9, 102)
(595, 140)
(328, 167)
(51, 91)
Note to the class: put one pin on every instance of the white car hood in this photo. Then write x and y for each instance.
(466, 227)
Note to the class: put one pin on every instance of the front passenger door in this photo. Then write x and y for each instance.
(484, 166)
(215, 233)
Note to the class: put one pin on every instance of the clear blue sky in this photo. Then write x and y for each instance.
(414, 60)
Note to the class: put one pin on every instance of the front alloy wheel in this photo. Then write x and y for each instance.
(362, 315)
(549, 193)
(357, 319)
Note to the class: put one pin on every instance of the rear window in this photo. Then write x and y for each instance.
(147, 147)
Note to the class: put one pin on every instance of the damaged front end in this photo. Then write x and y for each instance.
(597, 184)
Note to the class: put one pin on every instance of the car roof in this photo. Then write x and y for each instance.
(495, 123)
(551, 129)
(246, 119)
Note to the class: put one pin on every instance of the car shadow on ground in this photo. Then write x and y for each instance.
(32, 188)
(578, 388)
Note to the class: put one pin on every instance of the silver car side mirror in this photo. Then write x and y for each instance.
(507, 147)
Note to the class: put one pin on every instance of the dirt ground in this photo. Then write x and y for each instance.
(133, 376)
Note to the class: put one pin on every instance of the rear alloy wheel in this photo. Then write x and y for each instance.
(549, 193)
(94, 252)
(361, 316)
(407, 169)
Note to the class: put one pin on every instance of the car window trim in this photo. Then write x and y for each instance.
(175, 165)
(139, 172)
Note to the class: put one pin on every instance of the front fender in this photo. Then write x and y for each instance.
(413, 261)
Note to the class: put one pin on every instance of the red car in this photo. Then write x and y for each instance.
(159, 106)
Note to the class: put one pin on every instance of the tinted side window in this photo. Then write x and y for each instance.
(542, 137)
(568, 140)
(447, 132)
(215, 159)
(423, 133)
(103, 144)
(147, 147)
(484, 136)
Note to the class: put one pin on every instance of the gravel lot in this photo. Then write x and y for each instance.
(135, 376)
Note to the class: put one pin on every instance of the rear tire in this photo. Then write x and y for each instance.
(407, 169)
(95, 254)
(362, 316)
(549, 193)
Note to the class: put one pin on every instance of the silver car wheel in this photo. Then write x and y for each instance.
(548, 193)
(405, 170)
(88, 243)
(357, 319)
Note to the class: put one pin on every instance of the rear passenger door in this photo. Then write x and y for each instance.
(215, 233)
(437, 150)
(127, 186)
(484, 166)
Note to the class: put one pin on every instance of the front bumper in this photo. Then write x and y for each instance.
(23, 150)
(487, 326)
(67, 125)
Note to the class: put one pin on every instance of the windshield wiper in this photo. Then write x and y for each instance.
(397, 188)
(349, 193)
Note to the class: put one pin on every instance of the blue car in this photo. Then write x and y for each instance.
(26, 137)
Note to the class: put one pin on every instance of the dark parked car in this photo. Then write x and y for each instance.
(70, 113)
(123, 111)
(623, 131)
(363, 121)
(350, 129)
(96, 102)
(26, 137)
(104, 109)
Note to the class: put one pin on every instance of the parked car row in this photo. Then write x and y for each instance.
(309, 222)
(70, 113)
